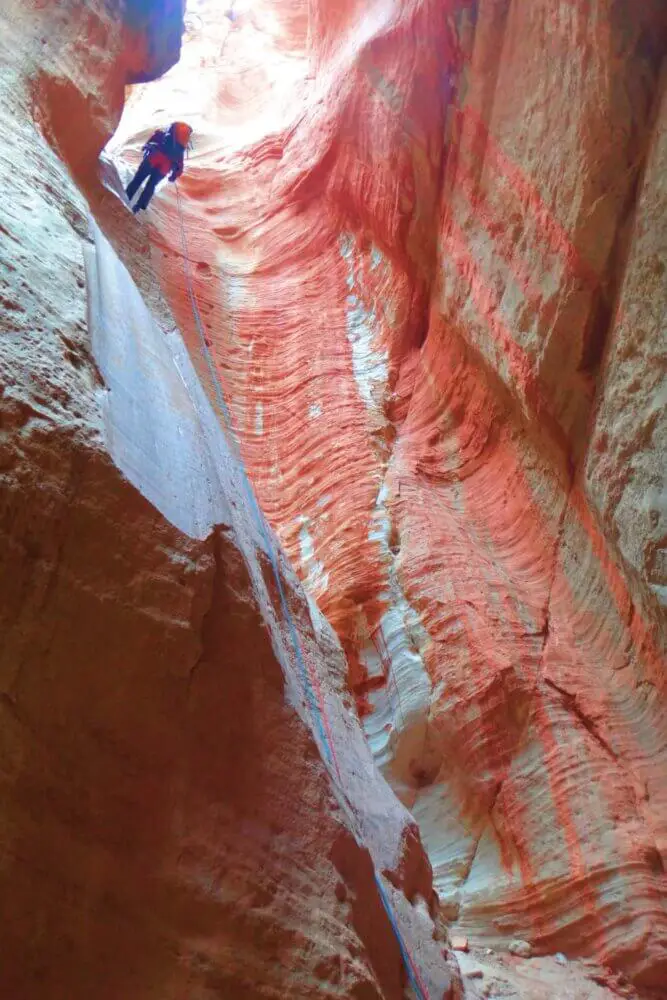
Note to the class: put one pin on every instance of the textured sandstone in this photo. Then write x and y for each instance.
(180, 815)
(496, 976)
(409, 302)
(426, 243)
(626, 467)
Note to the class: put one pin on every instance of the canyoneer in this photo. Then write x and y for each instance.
(163, 155)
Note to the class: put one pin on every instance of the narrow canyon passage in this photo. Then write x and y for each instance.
(189, 806)
(425, 330)
(421, 237)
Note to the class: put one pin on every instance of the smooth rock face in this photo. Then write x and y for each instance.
(439, 323)
(188, 806)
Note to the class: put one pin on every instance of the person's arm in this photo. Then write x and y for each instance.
(154, 142)
(176, 169)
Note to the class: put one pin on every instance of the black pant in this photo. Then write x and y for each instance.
(154, 177)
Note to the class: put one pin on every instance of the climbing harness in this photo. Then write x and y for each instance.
(310, 681)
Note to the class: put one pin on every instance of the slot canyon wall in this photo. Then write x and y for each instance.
(428, 242)
(188, 804)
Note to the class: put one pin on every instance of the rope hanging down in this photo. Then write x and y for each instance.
(310, 682)
(318, 715)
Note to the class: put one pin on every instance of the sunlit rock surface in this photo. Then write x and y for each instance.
(188, 805)
(427, 243)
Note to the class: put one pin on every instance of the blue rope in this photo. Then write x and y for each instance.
(407, 961)
(252, 500)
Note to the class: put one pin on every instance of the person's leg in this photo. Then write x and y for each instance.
(142, 173)
(149, 190)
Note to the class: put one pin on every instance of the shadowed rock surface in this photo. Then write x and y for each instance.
(426, 241)
(189, 806)
(427, 244)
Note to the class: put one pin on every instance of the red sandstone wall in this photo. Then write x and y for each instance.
(170, 824)
(426, 245)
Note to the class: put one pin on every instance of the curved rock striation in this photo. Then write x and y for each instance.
(426, 243)
(188, 806)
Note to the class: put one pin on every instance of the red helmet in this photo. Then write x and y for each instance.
(181, 132)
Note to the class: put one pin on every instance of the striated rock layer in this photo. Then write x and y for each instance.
(188, 805)
(428, 244)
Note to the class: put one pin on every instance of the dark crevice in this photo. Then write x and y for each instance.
(570, 702)
(604, 310)
(654, 860)
(598, 337)
(546, 626)
(595, 337)
(422, 326)
(215, 585)
(466, 874)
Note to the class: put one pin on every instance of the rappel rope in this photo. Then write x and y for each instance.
(310, 682)
(325, 737)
